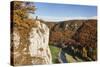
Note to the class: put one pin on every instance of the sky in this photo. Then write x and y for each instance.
(58, 12)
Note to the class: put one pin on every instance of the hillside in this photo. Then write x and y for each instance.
(67, 29)
(81, 35)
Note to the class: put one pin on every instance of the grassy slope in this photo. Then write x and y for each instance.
(54, 51)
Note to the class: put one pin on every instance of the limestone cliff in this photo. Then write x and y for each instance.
(30, 46)
(39, 49)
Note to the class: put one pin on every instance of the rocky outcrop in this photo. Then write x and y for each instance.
(30, 45)
(38, 48)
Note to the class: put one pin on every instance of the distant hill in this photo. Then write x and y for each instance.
(67, 29)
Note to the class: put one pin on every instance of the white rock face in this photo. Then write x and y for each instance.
(16, 39)
(38, 48)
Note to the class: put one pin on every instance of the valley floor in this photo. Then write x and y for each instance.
(60, 55)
